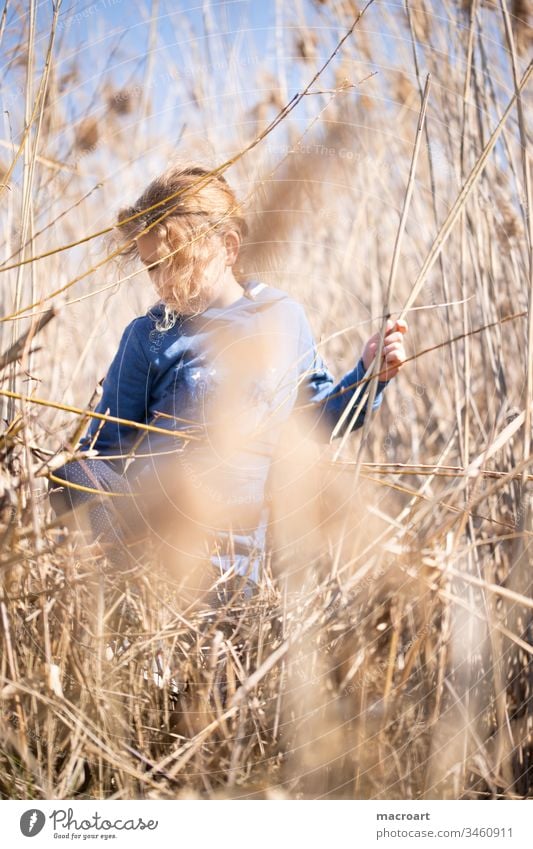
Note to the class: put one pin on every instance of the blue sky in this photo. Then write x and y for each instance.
(109, 42)
(91, 31)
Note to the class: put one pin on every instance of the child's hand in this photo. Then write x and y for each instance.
(393, 349)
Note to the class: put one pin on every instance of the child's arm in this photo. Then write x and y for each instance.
(323, 400)
(125, 395)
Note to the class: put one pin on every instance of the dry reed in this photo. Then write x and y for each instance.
(388, 653)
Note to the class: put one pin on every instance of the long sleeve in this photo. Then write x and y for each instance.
(321, 398)
(125, 395)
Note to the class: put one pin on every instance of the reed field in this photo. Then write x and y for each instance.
(381, 156)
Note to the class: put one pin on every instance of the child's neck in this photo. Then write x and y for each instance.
(230, 292)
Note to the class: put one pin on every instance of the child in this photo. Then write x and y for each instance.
(216, 366)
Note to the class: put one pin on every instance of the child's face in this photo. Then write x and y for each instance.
(167, 281)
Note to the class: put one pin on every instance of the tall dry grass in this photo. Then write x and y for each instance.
(389, 651)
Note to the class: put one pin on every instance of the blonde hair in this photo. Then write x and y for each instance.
(193, 205)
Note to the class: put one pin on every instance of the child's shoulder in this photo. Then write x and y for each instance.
(141, 330)
(143, 323)
(286, 301)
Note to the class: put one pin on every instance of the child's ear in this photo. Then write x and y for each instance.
(232, 244)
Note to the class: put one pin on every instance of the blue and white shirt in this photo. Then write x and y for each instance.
(229, 376)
